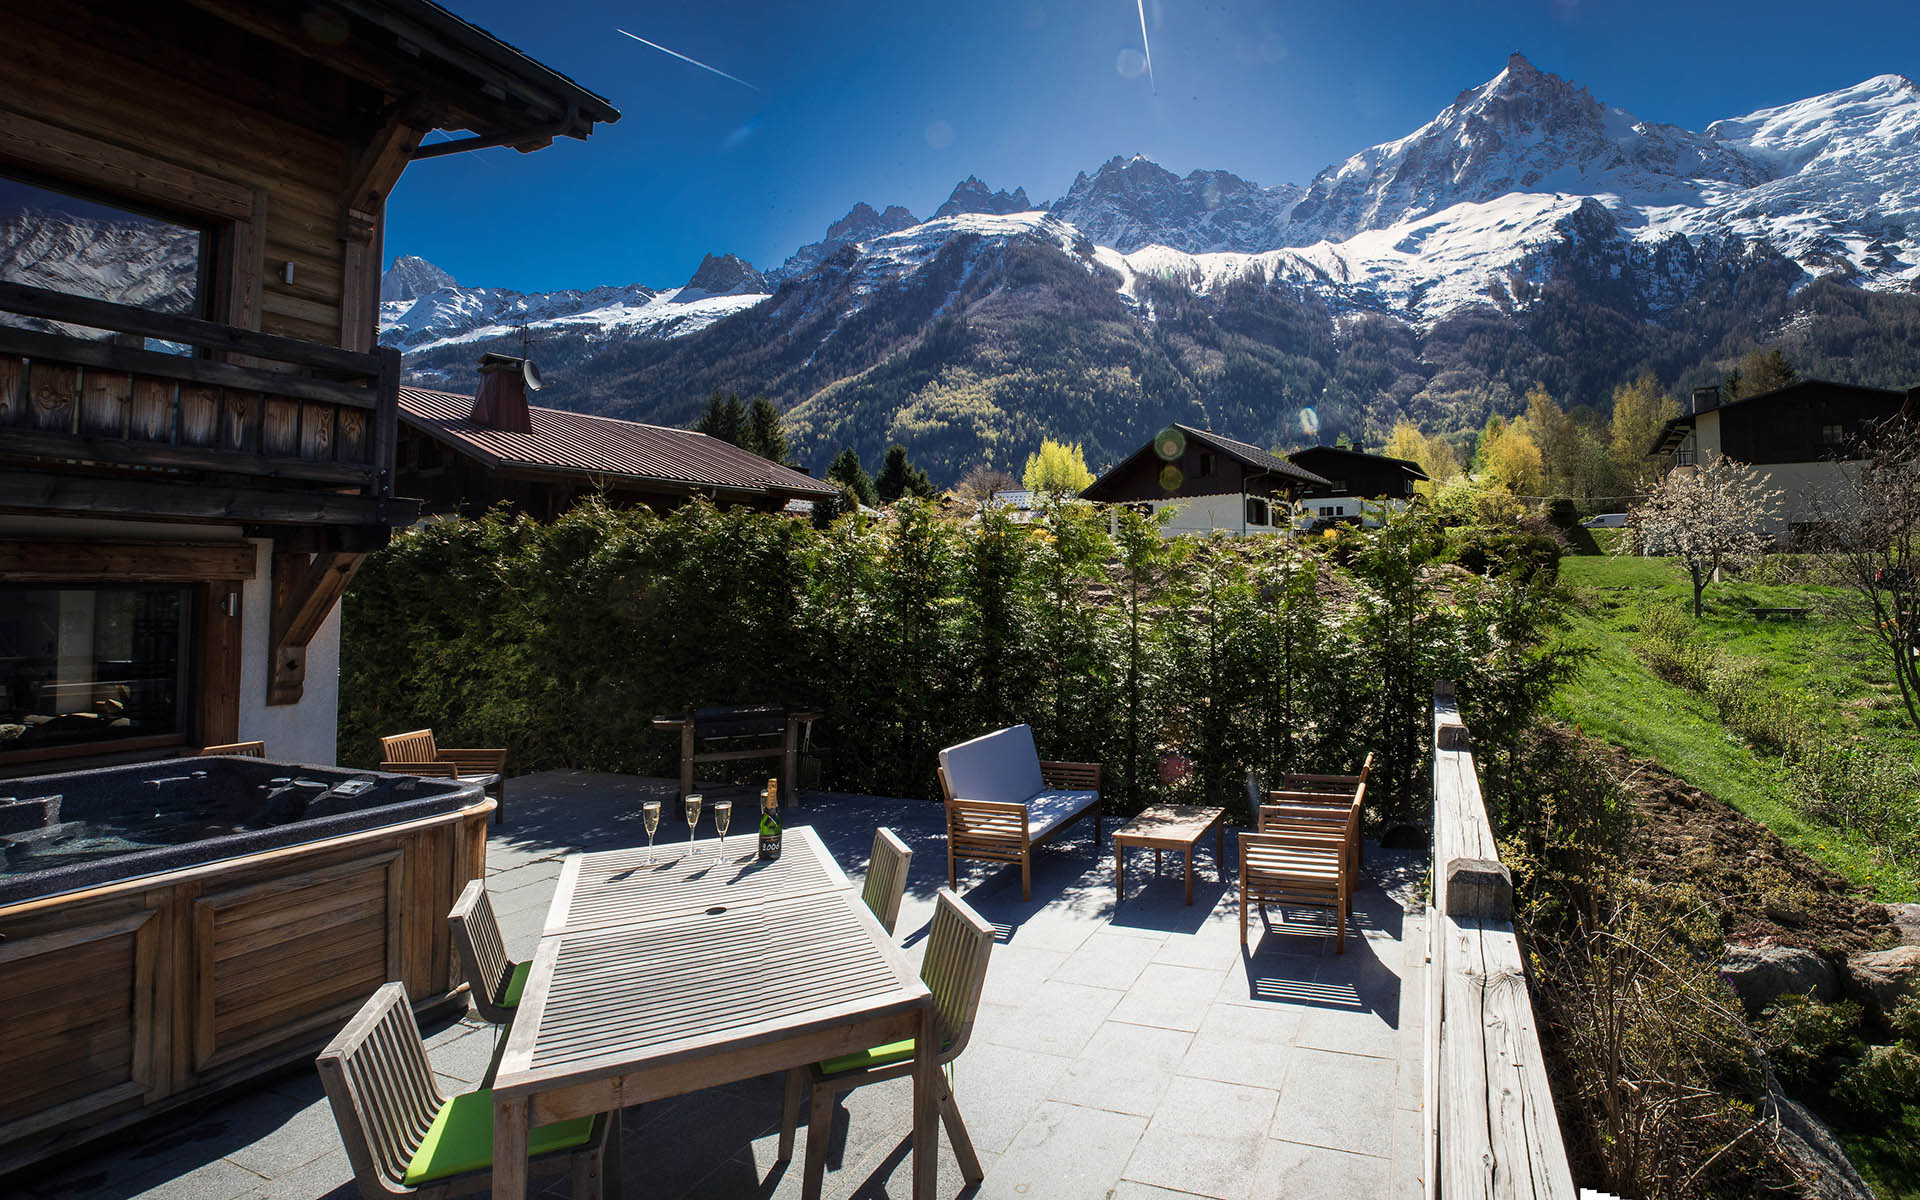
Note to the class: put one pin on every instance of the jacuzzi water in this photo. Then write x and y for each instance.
(82, 828)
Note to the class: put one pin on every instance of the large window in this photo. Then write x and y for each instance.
(68, 243)
(87, 664)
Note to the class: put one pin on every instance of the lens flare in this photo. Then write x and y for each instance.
(1309, 422)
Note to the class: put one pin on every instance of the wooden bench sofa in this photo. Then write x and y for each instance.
(1002, 800)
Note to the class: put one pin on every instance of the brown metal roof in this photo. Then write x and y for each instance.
(605, 446)
(1249, 454)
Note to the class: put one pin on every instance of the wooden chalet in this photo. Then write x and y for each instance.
(465, 454)
(1359, 486)
(197, 429)
(1214, 484)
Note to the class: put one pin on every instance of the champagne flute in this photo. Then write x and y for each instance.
(722, 817)
(650, 813)
(693, 818)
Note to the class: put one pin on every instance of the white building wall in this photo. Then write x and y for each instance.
(1216, 514)
(305, 732)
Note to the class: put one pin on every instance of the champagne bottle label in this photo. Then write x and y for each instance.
(770, 827)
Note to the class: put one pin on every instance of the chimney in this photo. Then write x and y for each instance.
(1706, 399)
(502, 402)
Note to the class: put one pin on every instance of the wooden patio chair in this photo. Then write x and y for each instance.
(243, 749)
(1336, 810)
(405, 1139)
(954, 969)
(1295, 861)
(886, 878)
(1002, 800)
(493, 979)
(408, 753)
(1295, 781)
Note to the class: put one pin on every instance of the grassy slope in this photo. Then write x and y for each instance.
(1825, 662)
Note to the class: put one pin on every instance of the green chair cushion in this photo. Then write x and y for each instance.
(879, 1056)
(516, 983)
(461, 1139)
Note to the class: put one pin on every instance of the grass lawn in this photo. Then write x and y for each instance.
(1825, 662)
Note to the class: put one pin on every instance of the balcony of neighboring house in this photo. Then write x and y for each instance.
(115, 408)
(1685, 458)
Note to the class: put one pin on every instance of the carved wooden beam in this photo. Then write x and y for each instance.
(305, 589)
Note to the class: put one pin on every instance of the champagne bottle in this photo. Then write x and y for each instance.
(770, 822)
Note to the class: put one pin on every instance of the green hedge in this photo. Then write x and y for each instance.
(1178, 663)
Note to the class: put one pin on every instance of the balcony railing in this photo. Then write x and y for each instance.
(1685, 458)
(292, 430)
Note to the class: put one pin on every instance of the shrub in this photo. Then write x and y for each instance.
(1804, 1038)
(1859, 788)
(1671, 646)
(1749, 706)
(1880, 1082)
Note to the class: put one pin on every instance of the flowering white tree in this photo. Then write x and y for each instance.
(1873, 533)
(1711, 516)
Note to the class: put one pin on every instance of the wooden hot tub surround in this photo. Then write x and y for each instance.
(143, 994)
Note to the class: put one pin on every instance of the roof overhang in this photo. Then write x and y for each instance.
(1671, 435)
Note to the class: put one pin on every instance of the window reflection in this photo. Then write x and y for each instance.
(91, 664)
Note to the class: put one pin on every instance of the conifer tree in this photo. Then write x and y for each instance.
(725, 418)
(764, 435)
(898, 478)
(846, 469)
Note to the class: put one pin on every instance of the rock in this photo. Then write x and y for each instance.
(1906, 918)
(1824, 1168)
(1880, 978)
(1762, 974)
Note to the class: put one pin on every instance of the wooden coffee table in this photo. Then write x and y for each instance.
(1168, 827)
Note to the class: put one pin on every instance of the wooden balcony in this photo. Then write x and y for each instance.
(245, 426)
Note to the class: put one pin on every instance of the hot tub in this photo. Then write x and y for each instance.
(170, 928)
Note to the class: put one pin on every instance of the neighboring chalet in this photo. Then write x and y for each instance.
(1214, 484)
(1360, 487)
(465, 454)
(197, 430)
(1798, 435)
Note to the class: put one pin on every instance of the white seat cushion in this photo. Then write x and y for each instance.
(1002, 766)
(1054, 807)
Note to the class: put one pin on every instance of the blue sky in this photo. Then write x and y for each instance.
(895, 102)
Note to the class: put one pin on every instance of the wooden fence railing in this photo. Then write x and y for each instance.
(1491, 1128)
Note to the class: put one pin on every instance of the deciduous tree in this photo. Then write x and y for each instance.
(1874, 531)
(1709, 516)
(1640, 408)
(1057, 468)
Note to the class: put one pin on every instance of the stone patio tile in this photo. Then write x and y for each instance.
(215, 1180)
(1129, 1190)
(467, 1057)
(1059, 1018)
(1212, 947)
(997, 1089)
(1269, 978)
(1337, 1101)
(1065, 1152)
(1205, 1138)
(1348, 1032)
(1107, 960)
(1409, 1150)
(1169, 997)
(1239, 1044)
(289, 1139)
(1014, 971)
(1293, 1169)
(1125, 1068)
(329, 1177)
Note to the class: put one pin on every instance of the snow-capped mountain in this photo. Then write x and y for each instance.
(411, 277)
(970, 195)
(1528, 233)
(723, 275)
(146, 263)
(860, 224)
(1130, 203)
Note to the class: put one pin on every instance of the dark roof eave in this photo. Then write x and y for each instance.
(1670, 435)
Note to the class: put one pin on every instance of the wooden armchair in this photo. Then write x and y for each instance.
(1002, 800)
(416, 753)
(1337, 812)
(405, 1139)
(1295, 860)
(493, 979)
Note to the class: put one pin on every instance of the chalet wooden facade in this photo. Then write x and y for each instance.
(197, 430)
(1360, 487)
(1801, 437)
(1214, 484)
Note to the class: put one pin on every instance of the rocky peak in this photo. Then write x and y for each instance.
(970, 195)
(1134, 202)
(411, 277)
(861, 224)
(724, 275)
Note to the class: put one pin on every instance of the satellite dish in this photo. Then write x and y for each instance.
(531, 374)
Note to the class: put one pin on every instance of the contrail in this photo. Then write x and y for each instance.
(1143, 43)
(703, 66)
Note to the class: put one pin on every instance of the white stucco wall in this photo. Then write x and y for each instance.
(1217, 514)
(305, 732)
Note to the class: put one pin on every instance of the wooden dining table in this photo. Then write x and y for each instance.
(701, 969)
